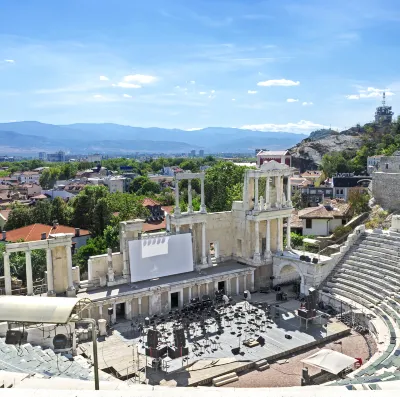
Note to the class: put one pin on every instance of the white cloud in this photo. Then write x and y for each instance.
(97, 96)
(9, 61)
(281, 82)
(303, 126)
(193, 129)
(290, 100)
(192, 82)
(127, 96)
(202, 93)
(307, 104)
(370, 92)
(251, 92)
(212, 91)
(139, 78)
(124, 84)
(104, 78)
(233, 99)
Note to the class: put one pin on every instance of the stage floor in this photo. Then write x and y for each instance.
(220, 359)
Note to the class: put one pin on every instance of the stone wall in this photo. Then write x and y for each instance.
(97, 266)
(386, 189)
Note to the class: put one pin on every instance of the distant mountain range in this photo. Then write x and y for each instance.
(30, 137)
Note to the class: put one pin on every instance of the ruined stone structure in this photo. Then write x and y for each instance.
(385, 182)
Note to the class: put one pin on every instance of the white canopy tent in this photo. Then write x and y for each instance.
(329, 361)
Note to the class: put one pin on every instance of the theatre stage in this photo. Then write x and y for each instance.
(214, 359)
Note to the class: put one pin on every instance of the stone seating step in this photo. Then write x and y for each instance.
(225, 379)
(350, 290)
(355, 283)
(375, 254)
(380, 247)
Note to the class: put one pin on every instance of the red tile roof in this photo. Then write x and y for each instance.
(168, 208)
(40, 197)
(319, 212)
(153, 226)
(150, 202)
(34, 232)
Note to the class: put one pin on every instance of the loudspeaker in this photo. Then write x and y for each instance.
(13, 337)
(235, 350)
(156, 353)
(110, 311)
(152, 338)
(261, 340)
(60, 342)
(176, 352)
(287, 336)
(179, 337)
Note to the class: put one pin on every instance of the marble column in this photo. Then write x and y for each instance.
(268, 240)
(257, 256)
(203, 244)
(207, 289)
(114, 315)
(140, 305)
(215, 286)
(256, 205)
(278, 191)
(177, 209)
(100, 311)
(177, 229)
(280, 234)
(168, 223)
(288, 231)
(181, 299)
(71, 289)
(128, 310)
(202, 205)
(189, 293)
(7, 273)
(228, 287)
(29, 280)
(245, 282)
(110, 270)
(289, 193)
(190, 204)
(50, 275)
(252, 282)
(237, 286)
(267, 198)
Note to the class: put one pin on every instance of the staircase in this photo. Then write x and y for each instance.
(225, 379)
(261, 365)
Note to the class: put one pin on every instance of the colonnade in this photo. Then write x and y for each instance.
(194, 290)
(265, 204)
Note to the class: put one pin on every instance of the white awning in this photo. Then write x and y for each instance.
(37, 309)
(330, 361)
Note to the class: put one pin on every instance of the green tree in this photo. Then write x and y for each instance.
(297, 200)
(137, 183)
(94, 246)
(60, 211)
(101, 217)
(49, 177)
(19, 216)
(41, 212)
(111, 236)
(358, 200)
(149, 187)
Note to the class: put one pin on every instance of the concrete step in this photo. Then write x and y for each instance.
(217, 382)
(260, 363)
(263, 367)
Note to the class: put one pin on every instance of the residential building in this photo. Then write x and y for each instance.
(53, 193)
(94, 158)
(171, 171)
(28, 176)
(114, 184)
(201, 153)
(311, 176)
(280, 156)
(297, 182)
(192, 153)
(156, 220)
(373, 163)
(38, 231)
(3, 218)
(43, 156)
(324, 219)
(342, 184)
(311, 196)
(58, 157)
(29, 189)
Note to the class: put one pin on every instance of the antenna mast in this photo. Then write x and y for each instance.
(384, 99)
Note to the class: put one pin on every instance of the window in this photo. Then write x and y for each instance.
(308, 223)
(337, 191)
(341, 191)
(343, 221)
(387, 166)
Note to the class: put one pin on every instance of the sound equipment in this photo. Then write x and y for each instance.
(110, 311)
(152, 338)
(235, 350)
(176, 352)
(60, 342)
(245, 294)
(315, 260)
(287, 336)
(156, 364)
(304, 313)
(147, 322)
(179, 337)
(13, 337)
(261, 340)
(156, 353)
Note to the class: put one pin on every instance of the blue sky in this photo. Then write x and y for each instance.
(277, 65)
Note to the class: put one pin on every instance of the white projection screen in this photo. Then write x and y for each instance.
(160, 256)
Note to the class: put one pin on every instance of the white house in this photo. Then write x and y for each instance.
(324, 219)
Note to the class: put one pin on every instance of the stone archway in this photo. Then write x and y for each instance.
(288, 270)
